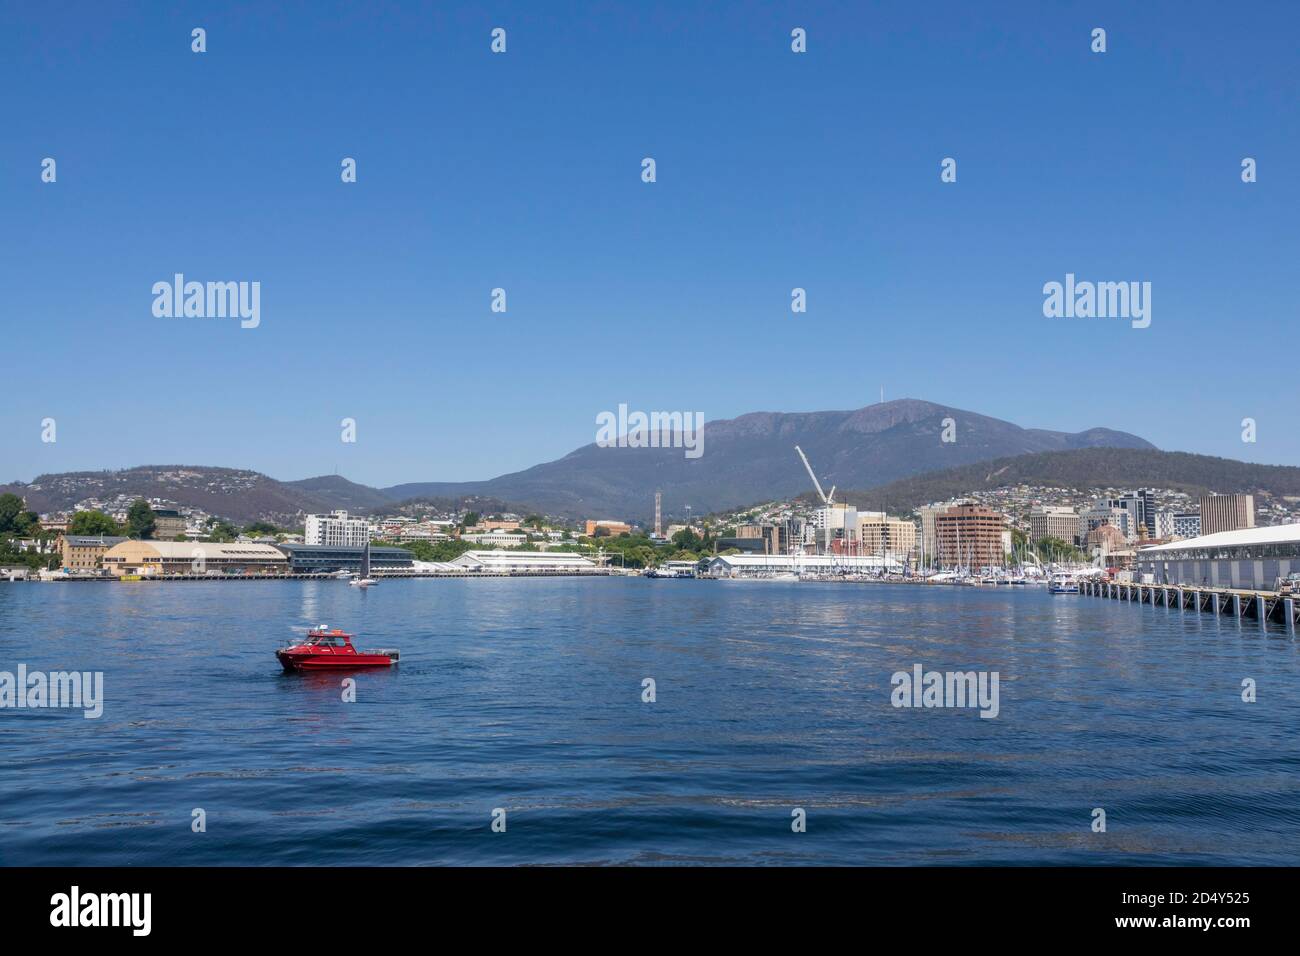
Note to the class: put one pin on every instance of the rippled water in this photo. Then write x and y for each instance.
(525, 694)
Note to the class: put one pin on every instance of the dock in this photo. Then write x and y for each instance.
(1259, 606)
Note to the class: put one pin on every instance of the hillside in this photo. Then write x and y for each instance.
(1081, 469)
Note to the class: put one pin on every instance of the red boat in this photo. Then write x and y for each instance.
(325, 650)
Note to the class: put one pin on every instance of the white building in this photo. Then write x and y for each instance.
(527, 562)
(499, 538)
(769, 565)
(1187, 524)
(336, 529)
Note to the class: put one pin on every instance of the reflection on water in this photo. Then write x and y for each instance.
(526, 694)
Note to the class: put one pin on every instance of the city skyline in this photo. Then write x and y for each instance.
(522, 171)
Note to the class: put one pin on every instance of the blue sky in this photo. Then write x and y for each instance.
(522, 171)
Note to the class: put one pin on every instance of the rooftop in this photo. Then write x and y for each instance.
(1274, 534)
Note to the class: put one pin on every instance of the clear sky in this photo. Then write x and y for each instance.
(523, 171)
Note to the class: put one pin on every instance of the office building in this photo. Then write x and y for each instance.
(970, 536)
(1050, 521)
(1227, 513)
(337, 530)
(1187, 524)
(880, 534)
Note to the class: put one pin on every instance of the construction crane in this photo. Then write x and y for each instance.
(826, 499)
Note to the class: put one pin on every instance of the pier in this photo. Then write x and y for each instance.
(1258, 606)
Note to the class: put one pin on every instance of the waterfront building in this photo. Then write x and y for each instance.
(878, 533)
(970, 536)
(336, 529)
(1187, 524)
(1226, 513)
(770, 565)
(153, 558)
(929, 539)
(1051, 521)
(324, 558)
(835, 522)
(615, 528)
(527, 562)
(168, 524)
(1248, 558)
(85, 552)
(761, 538)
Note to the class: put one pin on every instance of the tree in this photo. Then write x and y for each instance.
(219, 529)
(470, 519)
(140, 520)
(11, 506)
(260, 528)
(93, 522)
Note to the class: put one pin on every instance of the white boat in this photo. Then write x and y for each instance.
(1063, 583)
(364, 580)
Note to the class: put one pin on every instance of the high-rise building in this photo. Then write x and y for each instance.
(1187, 524)
(336, 529)
(880, 534)
(1227, 513)
(1107, 513)
(969, 536)
(1140, 508)
(1051, 521)
(837, 522)
(929, 540)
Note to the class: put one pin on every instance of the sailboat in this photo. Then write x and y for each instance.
(364, 580)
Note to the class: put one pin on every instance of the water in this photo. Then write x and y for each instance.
(525, 694)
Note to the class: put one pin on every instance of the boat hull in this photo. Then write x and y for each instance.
(297, 661)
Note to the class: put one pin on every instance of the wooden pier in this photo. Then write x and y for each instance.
(1258, 606)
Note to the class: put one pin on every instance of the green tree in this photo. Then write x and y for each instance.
(219, 530)
(470, 519)
(93, 522)
(140, 520)
(11, 507)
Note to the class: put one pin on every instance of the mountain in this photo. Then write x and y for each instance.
(1087, 468)
(341, 493)
(238, 494)
(745, 459)
(752, 458)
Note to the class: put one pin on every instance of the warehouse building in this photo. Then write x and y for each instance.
(85, 552)
(154, 558)
(771, 565)
(325, 558)
(527, 562)
(1251, 559)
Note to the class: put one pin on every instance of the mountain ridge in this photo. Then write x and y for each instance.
(747, 458)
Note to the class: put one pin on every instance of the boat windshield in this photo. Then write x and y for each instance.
(327, 640)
